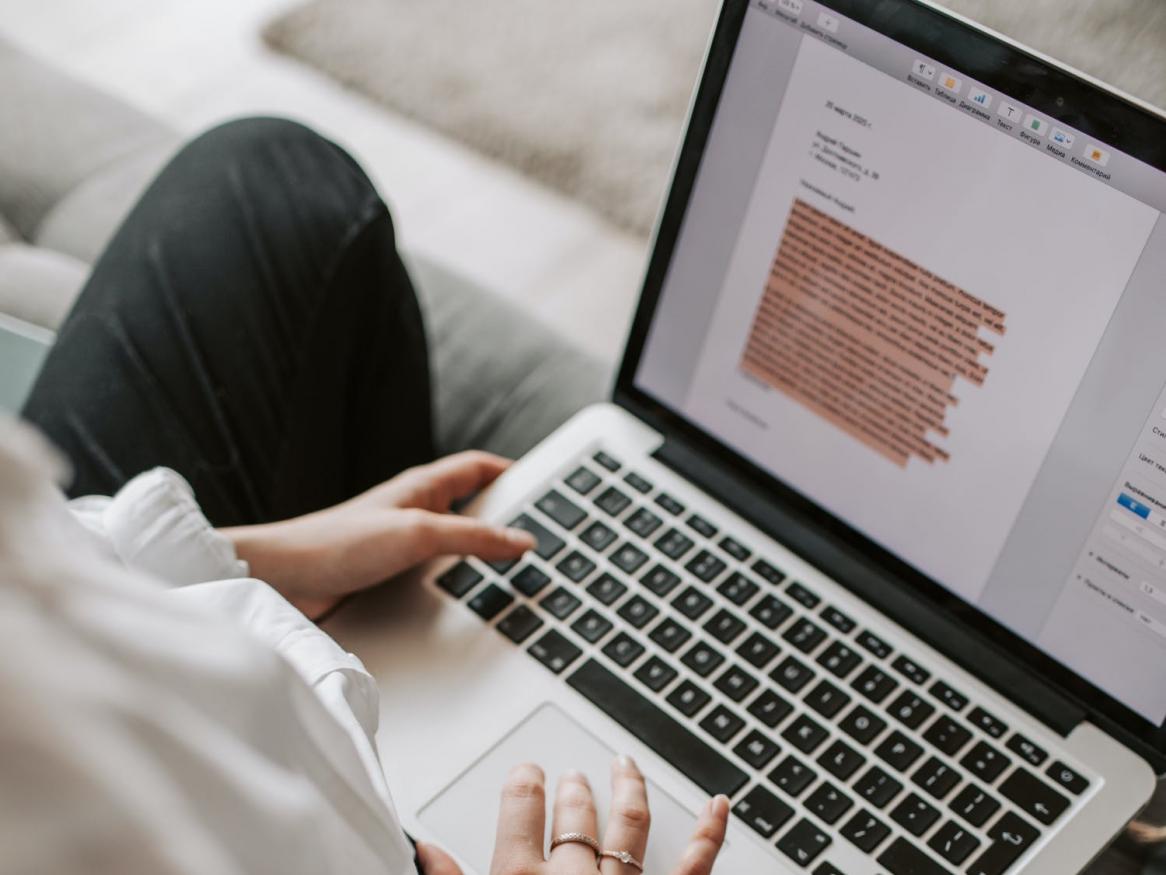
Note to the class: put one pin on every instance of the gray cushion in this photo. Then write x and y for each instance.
(502, 381)
(38, 285)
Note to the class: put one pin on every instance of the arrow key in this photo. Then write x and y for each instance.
(1033, 796)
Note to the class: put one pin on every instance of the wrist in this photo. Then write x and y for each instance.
(281, 561)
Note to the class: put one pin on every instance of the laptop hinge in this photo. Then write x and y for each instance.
(978, 655)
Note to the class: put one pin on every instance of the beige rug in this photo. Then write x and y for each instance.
(589, 96)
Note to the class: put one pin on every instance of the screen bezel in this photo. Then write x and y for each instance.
(1056, 92)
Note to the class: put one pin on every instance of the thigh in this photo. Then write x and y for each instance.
(251, 326)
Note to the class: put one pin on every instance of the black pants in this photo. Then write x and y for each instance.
(251, 326)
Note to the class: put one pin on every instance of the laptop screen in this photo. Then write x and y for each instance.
(937, 313)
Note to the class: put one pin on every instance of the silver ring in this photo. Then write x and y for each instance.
(576, 838)
(624, 857)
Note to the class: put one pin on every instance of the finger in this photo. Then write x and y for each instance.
(707, 838)
(629, 820)
(435, 861)
(574, 812)
(522, 819)
(444, 534)
(437, 485)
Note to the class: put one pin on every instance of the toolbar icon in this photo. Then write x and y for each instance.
(1097, 155)
(1010, 111)
(793, 7)
(1035, 125)
(923, 70)
(1062, 138)
(979, 97)
(828, 22)
(951, 83)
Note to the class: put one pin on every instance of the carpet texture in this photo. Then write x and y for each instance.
(590, 97)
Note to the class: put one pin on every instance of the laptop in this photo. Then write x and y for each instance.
(871, 536)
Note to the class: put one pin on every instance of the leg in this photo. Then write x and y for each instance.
(251, 326)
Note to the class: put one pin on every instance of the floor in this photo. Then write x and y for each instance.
(195, 63)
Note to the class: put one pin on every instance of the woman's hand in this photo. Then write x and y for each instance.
(317, 559)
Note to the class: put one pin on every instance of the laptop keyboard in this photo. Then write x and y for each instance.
(751, 685)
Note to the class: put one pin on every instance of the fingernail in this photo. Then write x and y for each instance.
(520, 538)
(575, 775)
(625, 762)
(720, 805)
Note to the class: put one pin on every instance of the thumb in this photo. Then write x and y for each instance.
(451, 535)
(435, 861)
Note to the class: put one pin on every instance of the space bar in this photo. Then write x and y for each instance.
(703, 765)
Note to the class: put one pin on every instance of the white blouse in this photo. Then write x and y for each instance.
(159, 711)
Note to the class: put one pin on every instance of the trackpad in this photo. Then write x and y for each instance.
(464, 815)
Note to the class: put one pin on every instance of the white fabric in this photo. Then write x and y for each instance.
(204, 726)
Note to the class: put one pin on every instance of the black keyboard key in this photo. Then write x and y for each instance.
(701, 526)
(757, 650)
(771, 612)
(612, 501)
(770, 708)
(910, 670)
(561, 603)
(793, 776)
(459, 579)
(826, 699)
(734, 548)
(974, 805)
(804, 635)
(490, 601)
(1066, 778)
(910, 709)
(660, 580)
(865, 831)
(807, 598)
(575, 566)
(1010, 837)
(736, 683)
(862, 724)
(877, 787)
(597, 536)
(898, 751)
(628, 557)
(592, 626)
(874, 683)
(643, 522)
(583, 480)
(529, 581)
(763, 812)
(804, 843)
(903, 858)
(722, 724)
(554, 651)
(561, 509)
(688, 698)
(692, 602)
(792, 674)
(669, 504)
(725, 626)
(767, 572)
(606, 589)
(936, 778)
(623, 649)
(825, 868)
(915, 814)
(738, 588)
(756, 749)
(705, 565)
(990, 724)
(1028, 751)
(702, 659)
(949, 696)
(841, 760)
(954, 843)
(519, 624)
(828, 803)
(547, 543)
(670, 635)
(655, 674)
(873, 644)
(804, 734)
(1033, 796)
(947, 735)
(689, 754)
(503, 565)
(838, 620)
(638, 611)
(607, 461)
(638, 483)
(985, 762)
(839, 659)
(674, 544)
